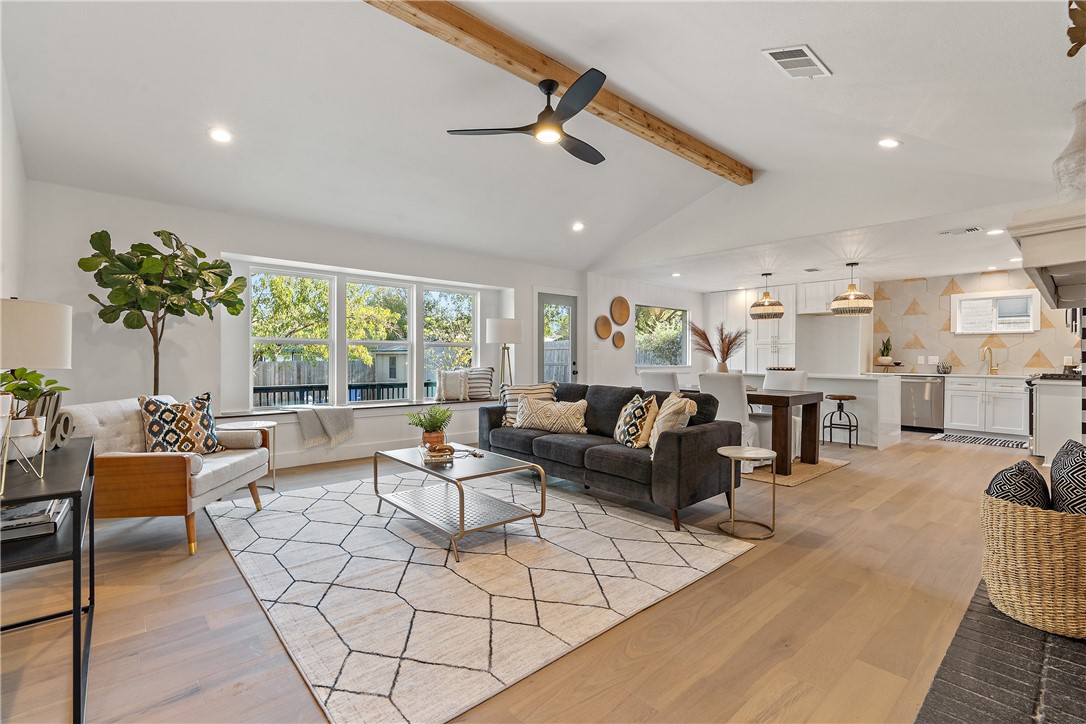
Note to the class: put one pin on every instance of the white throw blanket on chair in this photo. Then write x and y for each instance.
(322, 425)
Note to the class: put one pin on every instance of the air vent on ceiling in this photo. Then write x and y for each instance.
(812, 269)
(959, 232)
(798, 61)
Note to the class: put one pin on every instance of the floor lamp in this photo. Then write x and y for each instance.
(504, 332)
(35, 335)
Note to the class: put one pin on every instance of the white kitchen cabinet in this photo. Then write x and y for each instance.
(815, 297)
(1057, 416)
(987, 405)
(1007, 413)
(964, 410)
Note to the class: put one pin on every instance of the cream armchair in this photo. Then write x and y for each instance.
(130, 482)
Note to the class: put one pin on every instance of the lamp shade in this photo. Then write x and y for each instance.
(500, 330)
(852, 303)
(35, 335)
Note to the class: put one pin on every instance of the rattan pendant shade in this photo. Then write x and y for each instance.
(853, 302)
(767, 307)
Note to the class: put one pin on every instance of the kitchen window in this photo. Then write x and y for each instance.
(1007, 312)
(661, 337)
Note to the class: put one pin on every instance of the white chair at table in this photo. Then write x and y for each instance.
(795, 380)
(731, 392)
(659, 381)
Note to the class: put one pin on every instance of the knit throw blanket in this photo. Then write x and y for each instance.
(325, 425)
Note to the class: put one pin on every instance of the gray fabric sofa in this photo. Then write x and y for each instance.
(684, 470)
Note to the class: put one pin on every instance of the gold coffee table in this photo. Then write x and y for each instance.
(450, 507)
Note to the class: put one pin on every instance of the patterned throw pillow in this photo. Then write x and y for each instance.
(635, 422)
(452, 385)
(675, 413)
(180, 426)
(1069, 478)
(511, 395)
(480, 383)
(559, 417)
(1022, 484)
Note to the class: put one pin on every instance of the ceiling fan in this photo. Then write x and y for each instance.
(548, 126)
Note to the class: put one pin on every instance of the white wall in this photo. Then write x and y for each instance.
(833, 345)
(111, 362)
(13, 190)
(610, 366)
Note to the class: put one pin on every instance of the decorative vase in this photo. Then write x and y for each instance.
(884, 361)
(722, 366)
(429, 439)
(27, 437)
(1069, 168)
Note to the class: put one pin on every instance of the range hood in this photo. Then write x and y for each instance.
(1053, 244)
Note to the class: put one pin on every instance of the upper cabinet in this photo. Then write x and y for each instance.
(815, 297)
(776, 331)
(995, 312)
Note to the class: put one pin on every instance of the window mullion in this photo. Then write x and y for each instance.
(339, 346)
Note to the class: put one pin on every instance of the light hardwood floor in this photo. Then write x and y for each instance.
(843, 616)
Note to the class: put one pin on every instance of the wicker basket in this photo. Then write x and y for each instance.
(1035, 565)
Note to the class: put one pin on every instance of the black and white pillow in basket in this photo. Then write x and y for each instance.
(1022, 484)
(1069, 478)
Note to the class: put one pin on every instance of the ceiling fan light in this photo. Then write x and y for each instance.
(548, 134)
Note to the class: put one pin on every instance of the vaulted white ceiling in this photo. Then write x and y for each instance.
(340, 112)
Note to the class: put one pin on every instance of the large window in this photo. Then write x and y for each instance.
(378, 349)
(661, 337)
(290, 338)
(448, 332)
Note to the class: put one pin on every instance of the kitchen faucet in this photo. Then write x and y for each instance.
(993, 368)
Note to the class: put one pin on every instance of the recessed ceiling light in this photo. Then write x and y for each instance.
(889, 143)
(740, 287)
(676, 274)
(995, 232)
(578, 226)
(991, 268)
(1017, 258)
(220, 134)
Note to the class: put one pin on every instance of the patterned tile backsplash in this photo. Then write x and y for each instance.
(915, 315)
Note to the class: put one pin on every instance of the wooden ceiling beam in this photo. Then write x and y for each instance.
(460, 28)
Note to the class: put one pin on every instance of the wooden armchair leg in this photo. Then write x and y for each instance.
(190, 531)
(256, 495)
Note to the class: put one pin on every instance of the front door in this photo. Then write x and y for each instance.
(557, 338)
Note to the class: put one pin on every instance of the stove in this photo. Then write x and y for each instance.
(1057, 376)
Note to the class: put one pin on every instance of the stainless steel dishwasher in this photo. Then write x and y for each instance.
(922, 402)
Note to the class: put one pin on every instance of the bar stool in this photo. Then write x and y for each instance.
(841, 419)
(738, 454)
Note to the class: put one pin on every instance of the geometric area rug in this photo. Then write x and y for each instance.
(385, 626)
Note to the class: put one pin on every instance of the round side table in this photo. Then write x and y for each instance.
(738, 454)
(268, 425)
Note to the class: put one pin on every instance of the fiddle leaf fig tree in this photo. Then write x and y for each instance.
(147, 284)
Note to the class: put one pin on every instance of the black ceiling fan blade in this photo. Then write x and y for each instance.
(580, 149)
(491, 131)
(579, 95)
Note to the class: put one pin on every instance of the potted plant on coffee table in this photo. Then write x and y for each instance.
(433, 421)
(35, 398)
(722, 345)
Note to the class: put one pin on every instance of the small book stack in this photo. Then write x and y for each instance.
(29, 520)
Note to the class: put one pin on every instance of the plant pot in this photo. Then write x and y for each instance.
(28, 433)
(884, 361)
(429, 439)
(721, 366)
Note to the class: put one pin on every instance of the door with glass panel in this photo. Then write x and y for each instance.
(557, 338)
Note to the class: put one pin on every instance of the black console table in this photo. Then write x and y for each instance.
(69, 473)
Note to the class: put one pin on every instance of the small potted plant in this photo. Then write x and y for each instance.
(33, 399)
(433, 421)
(884, 353)
(726, 343)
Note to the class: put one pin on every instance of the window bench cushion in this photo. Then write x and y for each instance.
(223, 467)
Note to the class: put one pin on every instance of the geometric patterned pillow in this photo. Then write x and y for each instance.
(1022, 484)
(180, 426)
(634, 424)
(1069, 478)
(557, 417)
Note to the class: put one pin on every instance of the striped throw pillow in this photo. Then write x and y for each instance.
(558, 417)
(511, 395)
(480, 383)
(635, 422)
(675, 413)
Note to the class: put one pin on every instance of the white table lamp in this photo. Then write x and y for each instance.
(505, 332)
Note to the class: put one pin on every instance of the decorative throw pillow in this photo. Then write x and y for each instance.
(635, 422)
(452, 385)
(1069, 478)
(674, 414)
(511, 395)
(552, 416)
(180, 426)
(1022, 484)
(480, 383)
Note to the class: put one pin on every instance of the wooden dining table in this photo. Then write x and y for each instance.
(782, 402)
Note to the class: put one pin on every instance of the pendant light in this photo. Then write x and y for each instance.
(767, 307)
(853, 303)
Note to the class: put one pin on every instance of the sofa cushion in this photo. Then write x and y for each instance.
(223, 467)
(568, 449)
(605, 404)
(239, 439)
(115, 425)
(707, 405)
(622, 461)
(511, 395)
(675, 414)
(1069, 478)
(570, 392)
(515, 438)
(551, 416)
(1022, 484)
